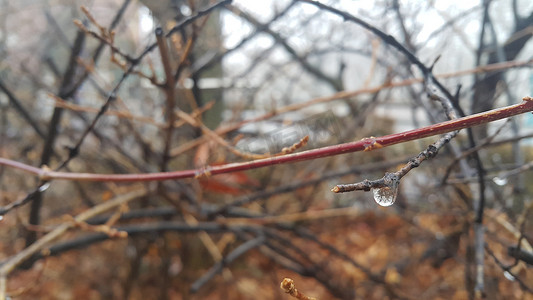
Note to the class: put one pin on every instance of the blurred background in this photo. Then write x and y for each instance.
(251, 78)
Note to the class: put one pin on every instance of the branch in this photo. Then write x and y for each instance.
(345, 95)
(354, 170)
(53, 129)
(522, 284)
(11, 263)
(366, 144)
(113, 94)
(233, 255)
(216, 58)
(169, 89)
(521, 254)
(335, 84)
(21, 110)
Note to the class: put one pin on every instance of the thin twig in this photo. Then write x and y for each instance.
(218, 267)
(140, 229)
(522, 284)
(484, 143)
(113, 94)
(335, 84)
(169, 89)
(246, 155)
(354, 170)
(393, 178)
(520, 254)
(339, 96)
(105, 39)
(367, 144)
(11, 263)
(21, 110)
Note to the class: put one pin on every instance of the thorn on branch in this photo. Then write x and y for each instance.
(370, 144)
(434, 63)
(458, 92)
(203, 172)
(72, 151)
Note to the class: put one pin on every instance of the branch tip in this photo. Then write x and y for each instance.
(289, 287)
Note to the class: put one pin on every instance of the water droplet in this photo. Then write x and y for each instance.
(509, 276)
(385, 196)
(500, 181)
(1, 218)
(44, 187)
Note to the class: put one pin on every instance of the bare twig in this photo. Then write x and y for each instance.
(362, 145)
(53, 129)
(335, 84)
(11, 263)
(107, 38)
(484, 143)
(218, 267)
(343, 95)
(113, 94)
(522, 284)
(520, 254)
(169, 88)
(393, 178)
(360, 169)
(21, 110)
(246, 155)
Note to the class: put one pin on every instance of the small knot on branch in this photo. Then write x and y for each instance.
(415, 163)
(431, 151)
(112, 96)
(44, 175)
(73, 151)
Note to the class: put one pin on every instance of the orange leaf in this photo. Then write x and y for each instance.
(214, 185)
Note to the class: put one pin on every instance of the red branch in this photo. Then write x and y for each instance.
(365, 144)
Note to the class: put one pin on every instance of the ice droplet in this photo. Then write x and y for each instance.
(500, 181)
(44, 187)
(509, 276)
(385, 196)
